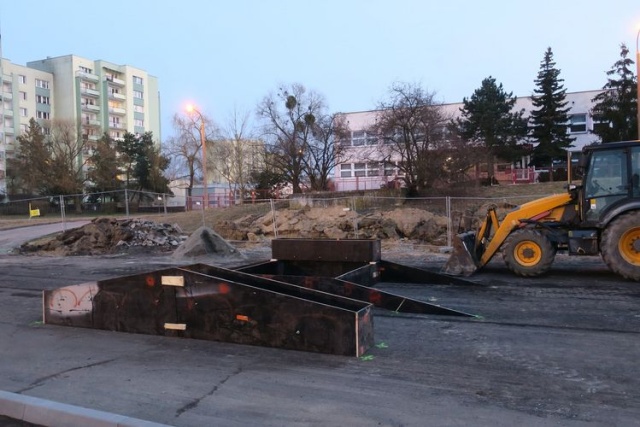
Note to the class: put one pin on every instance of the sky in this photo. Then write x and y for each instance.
(226, 56)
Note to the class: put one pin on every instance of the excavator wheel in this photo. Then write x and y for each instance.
(620, 245)
(528, 252)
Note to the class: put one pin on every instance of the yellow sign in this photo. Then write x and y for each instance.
(33, 212)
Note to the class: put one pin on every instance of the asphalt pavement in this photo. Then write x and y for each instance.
(562, 349)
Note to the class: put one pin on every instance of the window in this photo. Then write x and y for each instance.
(358, 138)
(345, 170)
(86, 70)
(23, 112)
(24, 128)
(360, 169)
(137, 80)
(44, 84)
(43, 115)
(373, 169)
(139, 122)
(138, 94)
(40, 99)
(23, 95)
(138, 108)
(599, 124)
(577, 123)
(22, 79)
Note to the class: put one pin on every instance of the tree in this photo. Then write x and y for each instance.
(290, 117)
(324, 151)
(549, 119)
(142, 163)
(412, 126)
(51, 164)
(28, 170)
(236, 151)
(103, 173)
(186, 148)
(67, 163)
(488, 118)
(615, 110)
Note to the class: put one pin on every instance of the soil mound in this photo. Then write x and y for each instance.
(107, 236)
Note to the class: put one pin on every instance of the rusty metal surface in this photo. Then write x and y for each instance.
(318, 298)
(326, 250)
(211, 305)
(378, 298)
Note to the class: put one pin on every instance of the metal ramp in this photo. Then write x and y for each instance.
(320, 305)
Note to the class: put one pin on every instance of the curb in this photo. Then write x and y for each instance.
(53, 414)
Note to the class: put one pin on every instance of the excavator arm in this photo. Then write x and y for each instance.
(473, 250)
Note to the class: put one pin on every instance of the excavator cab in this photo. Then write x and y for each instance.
(601, 216)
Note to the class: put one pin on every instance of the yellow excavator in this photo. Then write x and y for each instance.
(600, 216)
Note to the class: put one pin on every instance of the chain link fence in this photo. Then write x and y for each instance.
(461, 213)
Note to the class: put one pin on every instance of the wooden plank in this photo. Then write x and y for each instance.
(173, 281)
(176, 326)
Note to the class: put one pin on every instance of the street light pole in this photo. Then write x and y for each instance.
(638, 81)
(203, 142)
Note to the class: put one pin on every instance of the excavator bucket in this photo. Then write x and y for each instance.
(462, 261)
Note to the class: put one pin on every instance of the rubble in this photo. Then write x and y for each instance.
(109, 235)
(339, 223)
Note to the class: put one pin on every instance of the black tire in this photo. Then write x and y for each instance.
(620, 245)
(528, 252)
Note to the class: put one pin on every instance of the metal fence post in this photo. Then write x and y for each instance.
(62, 213)
(275, 217)
(126, 202)
(449, 220)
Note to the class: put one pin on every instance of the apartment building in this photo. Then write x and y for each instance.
(364, 169)
(99, 96)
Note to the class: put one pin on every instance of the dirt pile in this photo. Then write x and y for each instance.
(205, 243)
(109, 235)
(338, 223)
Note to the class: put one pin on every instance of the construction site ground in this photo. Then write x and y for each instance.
(557, 350)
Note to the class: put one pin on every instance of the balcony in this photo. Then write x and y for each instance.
(116, 125)
(118, 111)
(7, 95)
(118, 96)
(87, 76)
(90, 107)
(90, 92)
(115, 81)
(91, 123)
(8, 113)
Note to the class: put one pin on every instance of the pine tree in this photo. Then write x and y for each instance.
(487, 118)
(549, 119)
(616, 109)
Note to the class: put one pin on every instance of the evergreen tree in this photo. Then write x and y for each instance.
(487, 118)
(615, 109)
(103, 172)
(29, 171)
(549, 119)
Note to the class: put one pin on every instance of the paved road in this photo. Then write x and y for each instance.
(12, 238)
(558, 350)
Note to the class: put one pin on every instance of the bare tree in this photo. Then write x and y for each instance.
(324, 150)
(185, 149)
(290, 117)
(236, 151)
(69, 156)
(412, 126)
